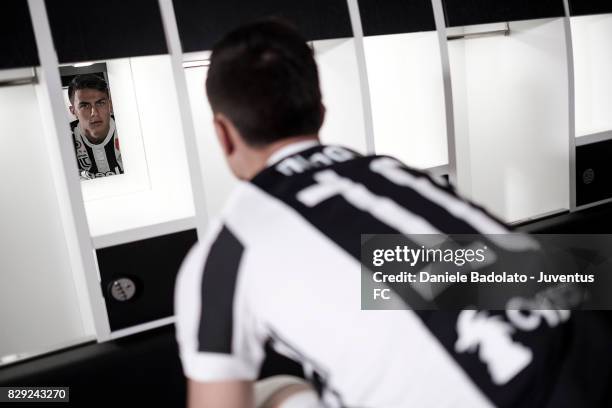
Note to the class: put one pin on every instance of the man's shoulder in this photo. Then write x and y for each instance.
(247, 208)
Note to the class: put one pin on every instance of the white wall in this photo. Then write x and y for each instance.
(511, 110)
(405, 78)
(593, 73)
(39, 306)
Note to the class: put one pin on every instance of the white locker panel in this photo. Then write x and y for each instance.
(405, 78)
(512, 119)
(39, 305)
(593, 73)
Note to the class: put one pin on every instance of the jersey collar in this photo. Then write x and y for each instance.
(290, 150)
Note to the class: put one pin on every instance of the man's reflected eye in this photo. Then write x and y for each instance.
(86, 106)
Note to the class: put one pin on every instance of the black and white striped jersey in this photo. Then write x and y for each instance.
(97, 160)
(281, 268)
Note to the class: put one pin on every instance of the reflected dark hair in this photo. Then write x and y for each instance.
(86, 81)
(264, 78)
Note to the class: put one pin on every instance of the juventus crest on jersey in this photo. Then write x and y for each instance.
(97, 160)
(281, 269)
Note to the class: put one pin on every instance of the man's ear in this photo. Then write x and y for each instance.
(222, 129)
(71, 108)
(323, 111)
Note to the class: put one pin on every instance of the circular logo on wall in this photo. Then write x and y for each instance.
(588, 176)
(122, 289)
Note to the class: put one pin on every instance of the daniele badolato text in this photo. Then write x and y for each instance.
(478, 277)
(460, 258)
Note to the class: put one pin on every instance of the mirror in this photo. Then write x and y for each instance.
(89, 109)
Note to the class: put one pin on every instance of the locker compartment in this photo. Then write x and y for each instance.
(511, 107)
(137, 278)
(593, 172)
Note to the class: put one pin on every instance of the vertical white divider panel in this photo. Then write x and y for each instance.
(593, 74)
(571, 90)
(338, 78)
(221, 181)
(67, 184)
(176, 59)
(451, 143)
(355, 16)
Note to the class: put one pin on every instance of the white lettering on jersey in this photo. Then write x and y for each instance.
(392, 171)
(101, 161)
(492, 337)
(338, 154)
(330, 184)
(292, 165)
(527, 315)
(328, 156)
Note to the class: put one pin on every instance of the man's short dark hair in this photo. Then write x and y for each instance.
(86, 81)
(264, 78)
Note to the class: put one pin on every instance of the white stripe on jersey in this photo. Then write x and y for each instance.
(329, 184)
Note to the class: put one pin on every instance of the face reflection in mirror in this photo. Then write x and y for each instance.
(94, 131)
(93, 111)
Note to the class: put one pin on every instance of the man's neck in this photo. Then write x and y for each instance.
(96, 139)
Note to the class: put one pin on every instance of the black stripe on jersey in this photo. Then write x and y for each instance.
(313, 371)
(275, 363)
(408, 198)
(109, 149)
(218, 288)
(532, 386)
(94, 165)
